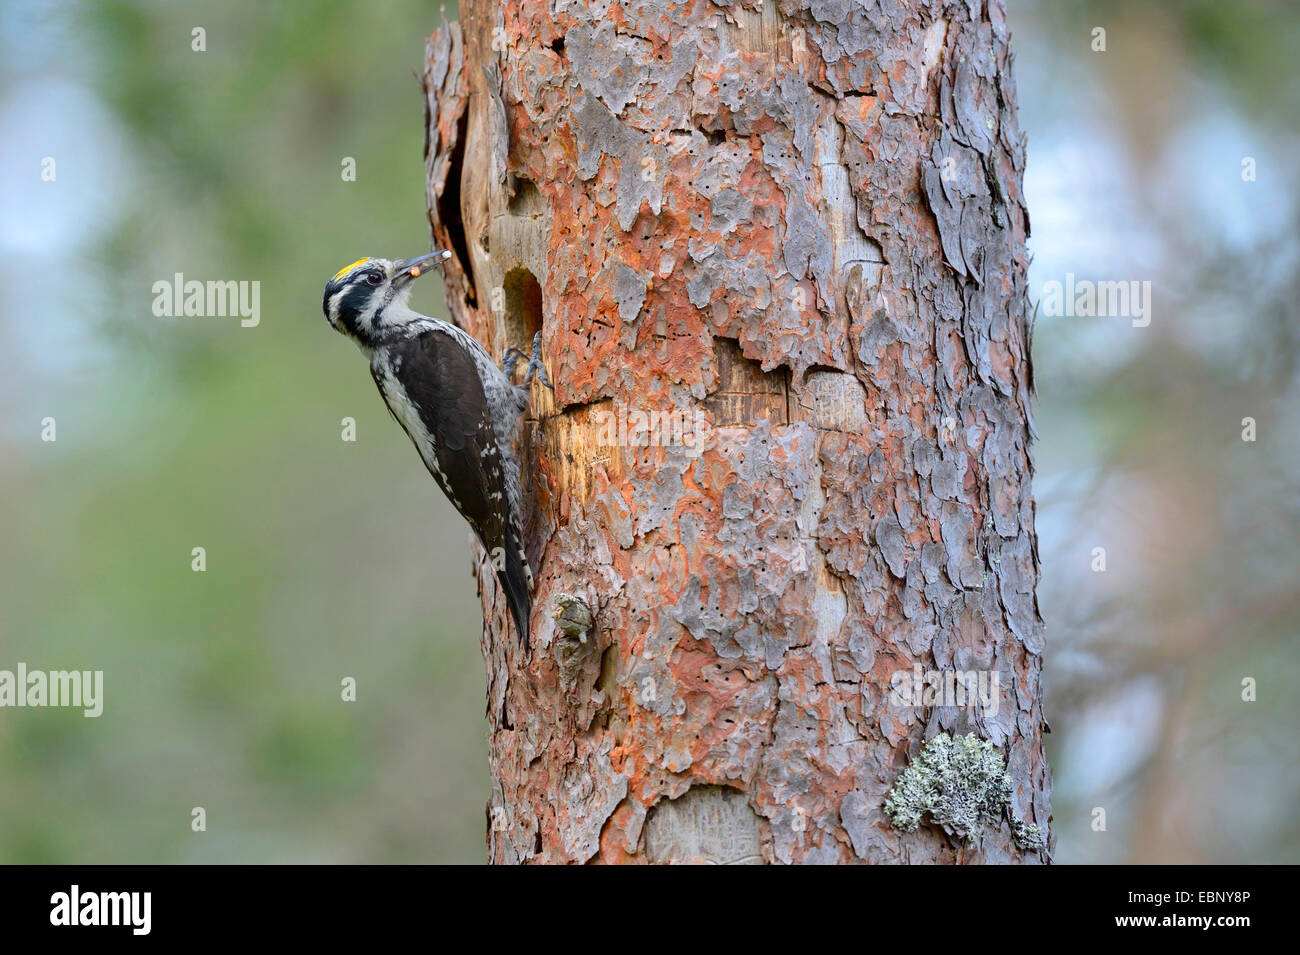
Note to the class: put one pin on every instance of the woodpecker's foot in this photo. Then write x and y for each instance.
(509, 360)
(535, 365)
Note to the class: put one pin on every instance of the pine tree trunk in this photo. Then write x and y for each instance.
(800, 225)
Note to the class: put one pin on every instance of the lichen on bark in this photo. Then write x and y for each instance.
(962, 785)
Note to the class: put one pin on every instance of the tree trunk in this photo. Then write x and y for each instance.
(795, 232)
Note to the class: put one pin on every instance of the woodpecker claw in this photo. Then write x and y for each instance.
(509, 360)
(535, 365)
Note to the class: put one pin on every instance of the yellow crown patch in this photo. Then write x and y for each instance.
(348, 268)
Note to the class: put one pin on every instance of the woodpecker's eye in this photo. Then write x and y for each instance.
(374, 278)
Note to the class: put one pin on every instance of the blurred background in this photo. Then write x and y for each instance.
(223, 688)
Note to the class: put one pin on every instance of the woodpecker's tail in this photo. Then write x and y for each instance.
(516, 580)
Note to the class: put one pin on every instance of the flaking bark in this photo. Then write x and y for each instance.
(803, 221)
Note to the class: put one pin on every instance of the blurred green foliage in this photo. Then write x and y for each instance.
(1146, 145)
(325, 559)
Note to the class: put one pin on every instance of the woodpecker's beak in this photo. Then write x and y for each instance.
(414, 268)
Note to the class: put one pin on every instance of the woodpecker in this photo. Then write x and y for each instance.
(459, 409)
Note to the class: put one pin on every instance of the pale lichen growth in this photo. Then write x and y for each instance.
(962, 784)
(571, 615)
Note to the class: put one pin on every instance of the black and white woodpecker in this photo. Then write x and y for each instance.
(459, 409)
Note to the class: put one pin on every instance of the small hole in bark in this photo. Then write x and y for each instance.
(557, 46)
(527, 200)
(523, 306)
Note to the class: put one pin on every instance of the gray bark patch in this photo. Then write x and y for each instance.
(709, 824)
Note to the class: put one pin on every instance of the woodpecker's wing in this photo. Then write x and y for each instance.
(441, 379)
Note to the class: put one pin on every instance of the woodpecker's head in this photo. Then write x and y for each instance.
(369, 296)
